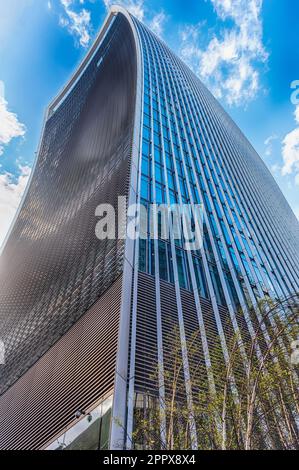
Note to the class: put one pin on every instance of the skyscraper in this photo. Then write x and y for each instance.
(84, 321)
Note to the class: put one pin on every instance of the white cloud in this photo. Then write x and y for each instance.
(157, 23)
(290, 151)
(10, 126)
(77, 20)
(136, 7)
(275, 168)
(11, 192)
(77, 23)
(270, 139)
(269, 144)
(228, 65)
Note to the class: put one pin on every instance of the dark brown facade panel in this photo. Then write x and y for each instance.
(75, 373)
(146, 334)
(53, 268)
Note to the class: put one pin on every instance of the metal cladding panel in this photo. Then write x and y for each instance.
(146, 359)
(73, 374)
(53, 267)
(146, 334)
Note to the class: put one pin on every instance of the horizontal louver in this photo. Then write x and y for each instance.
(72, 375)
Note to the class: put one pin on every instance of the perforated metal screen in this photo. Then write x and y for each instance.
(53, 267)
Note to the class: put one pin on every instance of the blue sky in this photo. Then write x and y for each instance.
(245, 51)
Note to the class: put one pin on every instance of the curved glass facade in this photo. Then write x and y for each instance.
(191, 152)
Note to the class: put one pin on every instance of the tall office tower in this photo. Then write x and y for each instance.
(85, 321)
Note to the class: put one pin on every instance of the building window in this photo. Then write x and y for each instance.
(200, 277)
(217, 286)
(142, 255)
(181, 268)
(163, 261)
(88, 434)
